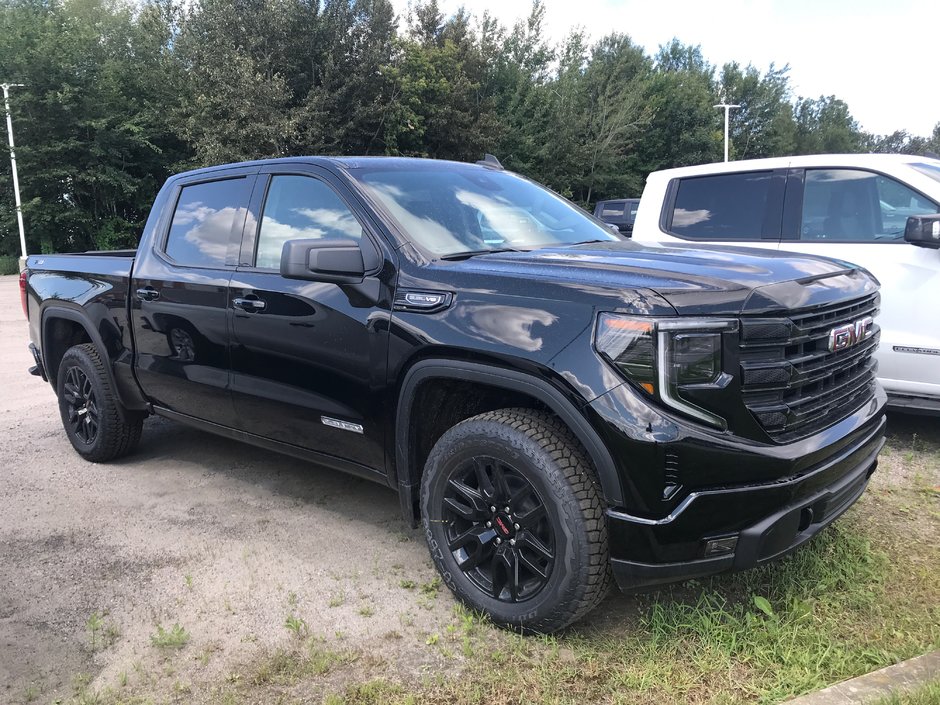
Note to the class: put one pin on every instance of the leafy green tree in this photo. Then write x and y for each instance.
(825, 126)
(685, 128)
(94, 143)
(763, 126)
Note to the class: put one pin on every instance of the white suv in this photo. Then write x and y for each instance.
(852, 207)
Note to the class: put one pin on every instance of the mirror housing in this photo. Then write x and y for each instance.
(334, 260)
(923, 231)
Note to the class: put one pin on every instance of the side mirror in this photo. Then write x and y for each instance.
(334, 260)
(923, 231)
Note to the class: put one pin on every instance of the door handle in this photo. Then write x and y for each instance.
(249, 305)
(148, 294)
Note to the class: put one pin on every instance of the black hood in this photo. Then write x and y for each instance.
(702, 280)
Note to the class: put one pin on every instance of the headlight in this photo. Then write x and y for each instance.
(665, 357)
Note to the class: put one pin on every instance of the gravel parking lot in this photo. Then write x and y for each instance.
(221, 538)
(254, 555)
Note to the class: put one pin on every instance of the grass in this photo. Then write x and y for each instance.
(173, 638)
(9, 265)
(927, 694)
(861, 596)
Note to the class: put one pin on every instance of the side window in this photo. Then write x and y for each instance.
(722, 207)
(206, 215)
(612, 209)
(852, 205)
(299, 207)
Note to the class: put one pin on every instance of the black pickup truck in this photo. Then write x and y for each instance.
(556, 405)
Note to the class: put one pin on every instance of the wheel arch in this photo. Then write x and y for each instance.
(63, 327)
(409, 467)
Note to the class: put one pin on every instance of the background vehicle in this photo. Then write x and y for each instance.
(621, 212)
(556, 405)
(852, 207)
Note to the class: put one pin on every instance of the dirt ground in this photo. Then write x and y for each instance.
(223, 539)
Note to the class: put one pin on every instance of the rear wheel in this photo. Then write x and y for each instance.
(514, 519)
(96, 424)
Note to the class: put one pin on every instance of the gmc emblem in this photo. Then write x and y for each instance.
(851, 334)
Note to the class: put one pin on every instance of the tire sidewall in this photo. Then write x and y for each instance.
(497, 440)
(77, 358)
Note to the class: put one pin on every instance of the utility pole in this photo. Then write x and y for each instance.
(16, 181)
(728, 109)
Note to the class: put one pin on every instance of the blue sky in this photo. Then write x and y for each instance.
(882, 58)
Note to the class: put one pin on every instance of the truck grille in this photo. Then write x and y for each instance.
(790, 381)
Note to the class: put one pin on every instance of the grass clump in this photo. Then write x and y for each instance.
(927, 694)
(173, 638)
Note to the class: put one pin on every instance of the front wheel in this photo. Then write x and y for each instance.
(514, 519)
(98, 427)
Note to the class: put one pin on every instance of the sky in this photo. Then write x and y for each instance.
(879, 56)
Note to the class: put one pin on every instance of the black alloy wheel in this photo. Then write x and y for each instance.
(498, 530)
(79, 395)
(97, 425)
(514, 518)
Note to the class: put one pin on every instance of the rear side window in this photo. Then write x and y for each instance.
(614, 208)
(721, 207)
(206, 217)
(300, 207)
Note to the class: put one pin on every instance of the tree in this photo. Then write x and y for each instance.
(763, 125)
(825, 126)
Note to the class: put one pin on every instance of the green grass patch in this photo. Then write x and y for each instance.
(9, 265)
(173, 638)
(927, 694)
(839, 608)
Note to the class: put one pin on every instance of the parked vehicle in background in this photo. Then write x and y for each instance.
(556, 405)
(852, 207)
(620, 212)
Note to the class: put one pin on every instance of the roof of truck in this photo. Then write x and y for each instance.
(806, 160)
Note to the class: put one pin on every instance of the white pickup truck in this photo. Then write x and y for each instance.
(876, 210)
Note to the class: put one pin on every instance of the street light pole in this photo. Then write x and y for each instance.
(728, 109)
(16, 181)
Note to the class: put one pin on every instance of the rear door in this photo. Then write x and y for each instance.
(738, 208)
(309, 358)
(858, 216)
(179, 296)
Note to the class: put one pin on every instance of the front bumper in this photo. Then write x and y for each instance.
(793, 492)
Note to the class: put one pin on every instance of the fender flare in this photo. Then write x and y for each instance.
(553, 398)
(78, 315)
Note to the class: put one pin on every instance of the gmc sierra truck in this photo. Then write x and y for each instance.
(558, 407)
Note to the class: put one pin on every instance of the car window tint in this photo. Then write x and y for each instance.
(203, 221)
(852, 205)
(722, 207)
(610, 209)
(301, 207)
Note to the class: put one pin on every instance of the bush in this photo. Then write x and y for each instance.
(9, 265)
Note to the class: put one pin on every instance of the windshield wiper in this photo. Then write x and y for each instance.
(474, 253)
(585, 242)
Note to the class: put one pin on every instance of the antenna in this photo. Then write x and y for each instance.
(491, 161)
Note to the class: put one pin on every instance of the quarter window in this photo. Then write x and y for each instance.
(852, 205)
(722, 207)
(207, 216)
(300, 207)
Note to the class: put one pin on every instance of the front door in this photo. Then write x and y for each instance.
(308, 358)
(179, 296)
(859, 216)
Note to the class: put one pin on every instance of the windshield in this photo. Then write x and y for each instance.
(931, 170)
(468, 210)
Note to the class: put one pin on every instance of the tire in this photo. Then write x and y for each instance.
(544, 563)
(98, 427)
